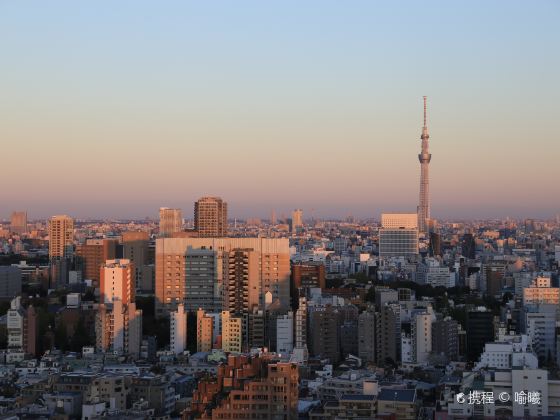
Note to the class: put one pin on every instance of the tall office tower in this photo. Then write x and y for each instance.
(398, 236)
(297, 220)
(119, 323)
(421, 327)
(285, 333)
(265, 262)
(18, 222)
(445, 338)
(170, 221)
(136, 249)
(324, 331)
(117, 281)
(61, 236)
(388, 334)
(242, 287)
(468, 246)
(300, 335)
(435, 244)
(21, 327)
(273, 217)
(540, 326)
(366, 336)
(210, 217)
(93, 254)
(202, 289)
(254, 334)
(492, 279)
(305, 276)
(204, 331)
(480, 330)
(232, 333)
(424, 157)
(178, 330)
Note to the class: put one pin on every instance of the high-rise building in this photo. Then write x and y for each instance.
(10, 281)
(93, 254)
(285, 333)
(468, 246)
(388, 334)
(398, 236)
(366, 336)
(324, 332)
(204, 331)
(304, 276)
(540, 326)
(265, 263)
(300, 334)
(273, 217)
(232, 333)
(178, 330)
(297, 220)
(480, 330)
(242, 287)
(18, 222)
(255, 333)
(492, 279)
(421, 327)
(541, 292)
(136, 249)
(435, 244)
(61, 236)
(170, 221)
(308, 275)
(117, 281)
(201, 270)
(119, 323)
(210, 217)
(445, 338)
(424, 157)
(21, 327)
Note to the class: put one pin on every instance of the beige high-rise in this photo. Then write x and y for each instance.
(210, 217)
(170, 221)
(119, 323)
(297, 219)
(255, 265)
(61, 236)
(18, 222)
(232, 333)
(204, 331)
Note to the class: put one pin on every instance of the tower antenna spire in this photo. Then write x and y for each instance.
(425, 110)
(424, 157)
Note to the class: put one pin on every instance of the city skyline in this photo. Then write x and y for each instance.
(296, 119)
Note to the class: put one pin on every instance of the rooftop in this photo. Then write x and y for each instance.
(402, 395)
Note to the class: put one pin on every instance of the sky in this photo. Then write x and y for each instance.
(116, 108)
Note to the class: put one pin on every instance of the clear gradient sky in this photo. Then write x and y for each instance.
(115, 108)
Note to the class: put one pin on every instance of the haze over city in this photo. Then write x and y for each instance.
(315, 210)
(116, 110)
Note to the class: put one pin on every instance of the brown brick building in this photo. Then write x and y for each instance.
(93, 254)
(247, 387)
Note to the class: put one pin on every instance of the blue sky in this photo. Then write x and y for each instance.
(113, 109)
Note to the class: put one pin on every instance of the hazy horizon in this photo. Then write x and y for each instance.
(114, 109)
